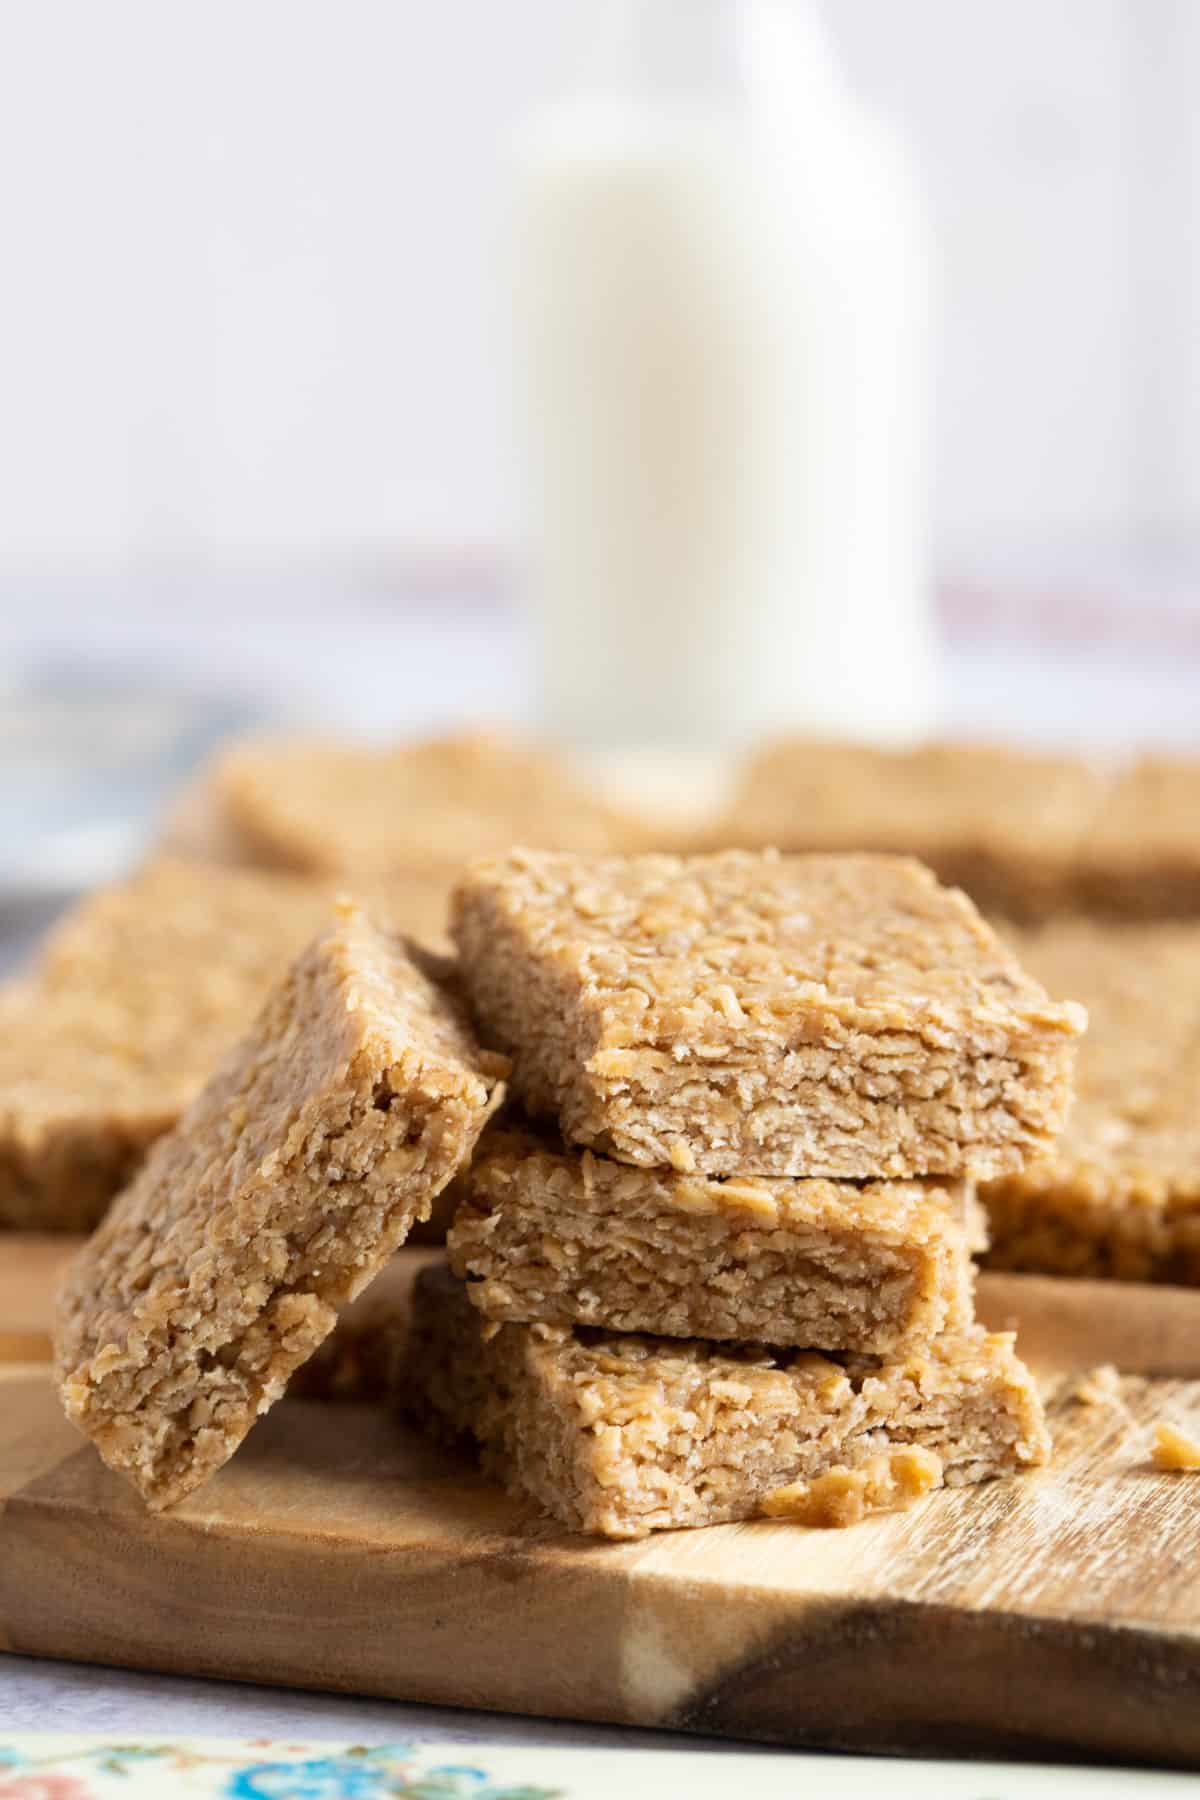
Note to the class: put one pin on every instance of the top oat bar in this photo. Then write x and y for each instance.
(324, 1135)
(757, 1014)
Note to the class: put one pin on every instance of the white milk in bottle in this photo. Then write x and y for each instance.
(720, 277)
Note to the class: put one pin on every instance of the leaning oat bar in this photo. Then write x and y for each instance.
(753, 1014)
(621, 1435)
(565, 1237)
(324, 1135)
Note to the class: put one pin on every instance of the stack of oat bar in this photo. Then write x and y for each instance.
(721, 1265)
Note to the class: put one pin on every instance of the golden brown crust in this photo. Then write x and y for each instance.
(751, 1014)
(291, 1179)
(565, 1237)
(622, 1435)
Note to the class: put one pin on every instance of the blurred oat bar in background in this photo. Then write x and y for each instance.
(1142, 860)
(136, 996)
(1119, 1194)
(1007, 825)
(324, 807)
(1028, 835)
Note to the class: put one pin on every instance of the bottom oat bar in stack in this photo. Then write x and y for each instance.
(640, 1346)
(800, 1348)
(622, 1435)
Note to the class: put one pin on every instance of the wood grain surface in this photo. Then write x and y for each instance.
(1058, 1613)
(30, 1268)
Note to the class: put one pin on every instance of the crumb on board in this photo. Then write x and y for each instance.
(845, 1496)
(1100, 1386)
(1174, 1449)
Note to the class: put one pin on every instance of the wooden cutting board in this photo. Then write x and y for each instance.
(29, 1271)
(1056, 1613)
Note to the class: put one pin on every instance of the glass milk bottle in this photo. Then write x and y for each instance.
(720, 283)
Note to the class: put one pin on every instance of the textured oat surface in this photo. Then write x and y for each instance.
(138, 993)
(754, 1014)
(623, 1435)
(1008, 825)
(301, 1166)
(427, 807)
(565, 1237)
(1119, 1193)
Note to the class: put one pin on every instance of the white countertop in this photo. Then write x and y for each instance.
(49, 1696)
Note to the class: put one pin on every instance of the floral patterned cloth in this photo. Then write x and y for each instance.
(63, 1768)
(58, 1767)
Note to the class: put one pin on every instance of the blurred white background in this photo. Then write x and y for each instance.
(249, 289)
(252, 344)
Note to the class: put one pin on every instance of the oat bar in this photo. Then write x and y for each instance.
(748, 1014)
(138, 993)
(287, 1185)
(566, 1237)
(1119, 1194)
(623, 1435)
(1008, 825)
(1142, 860)
(336, 807)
